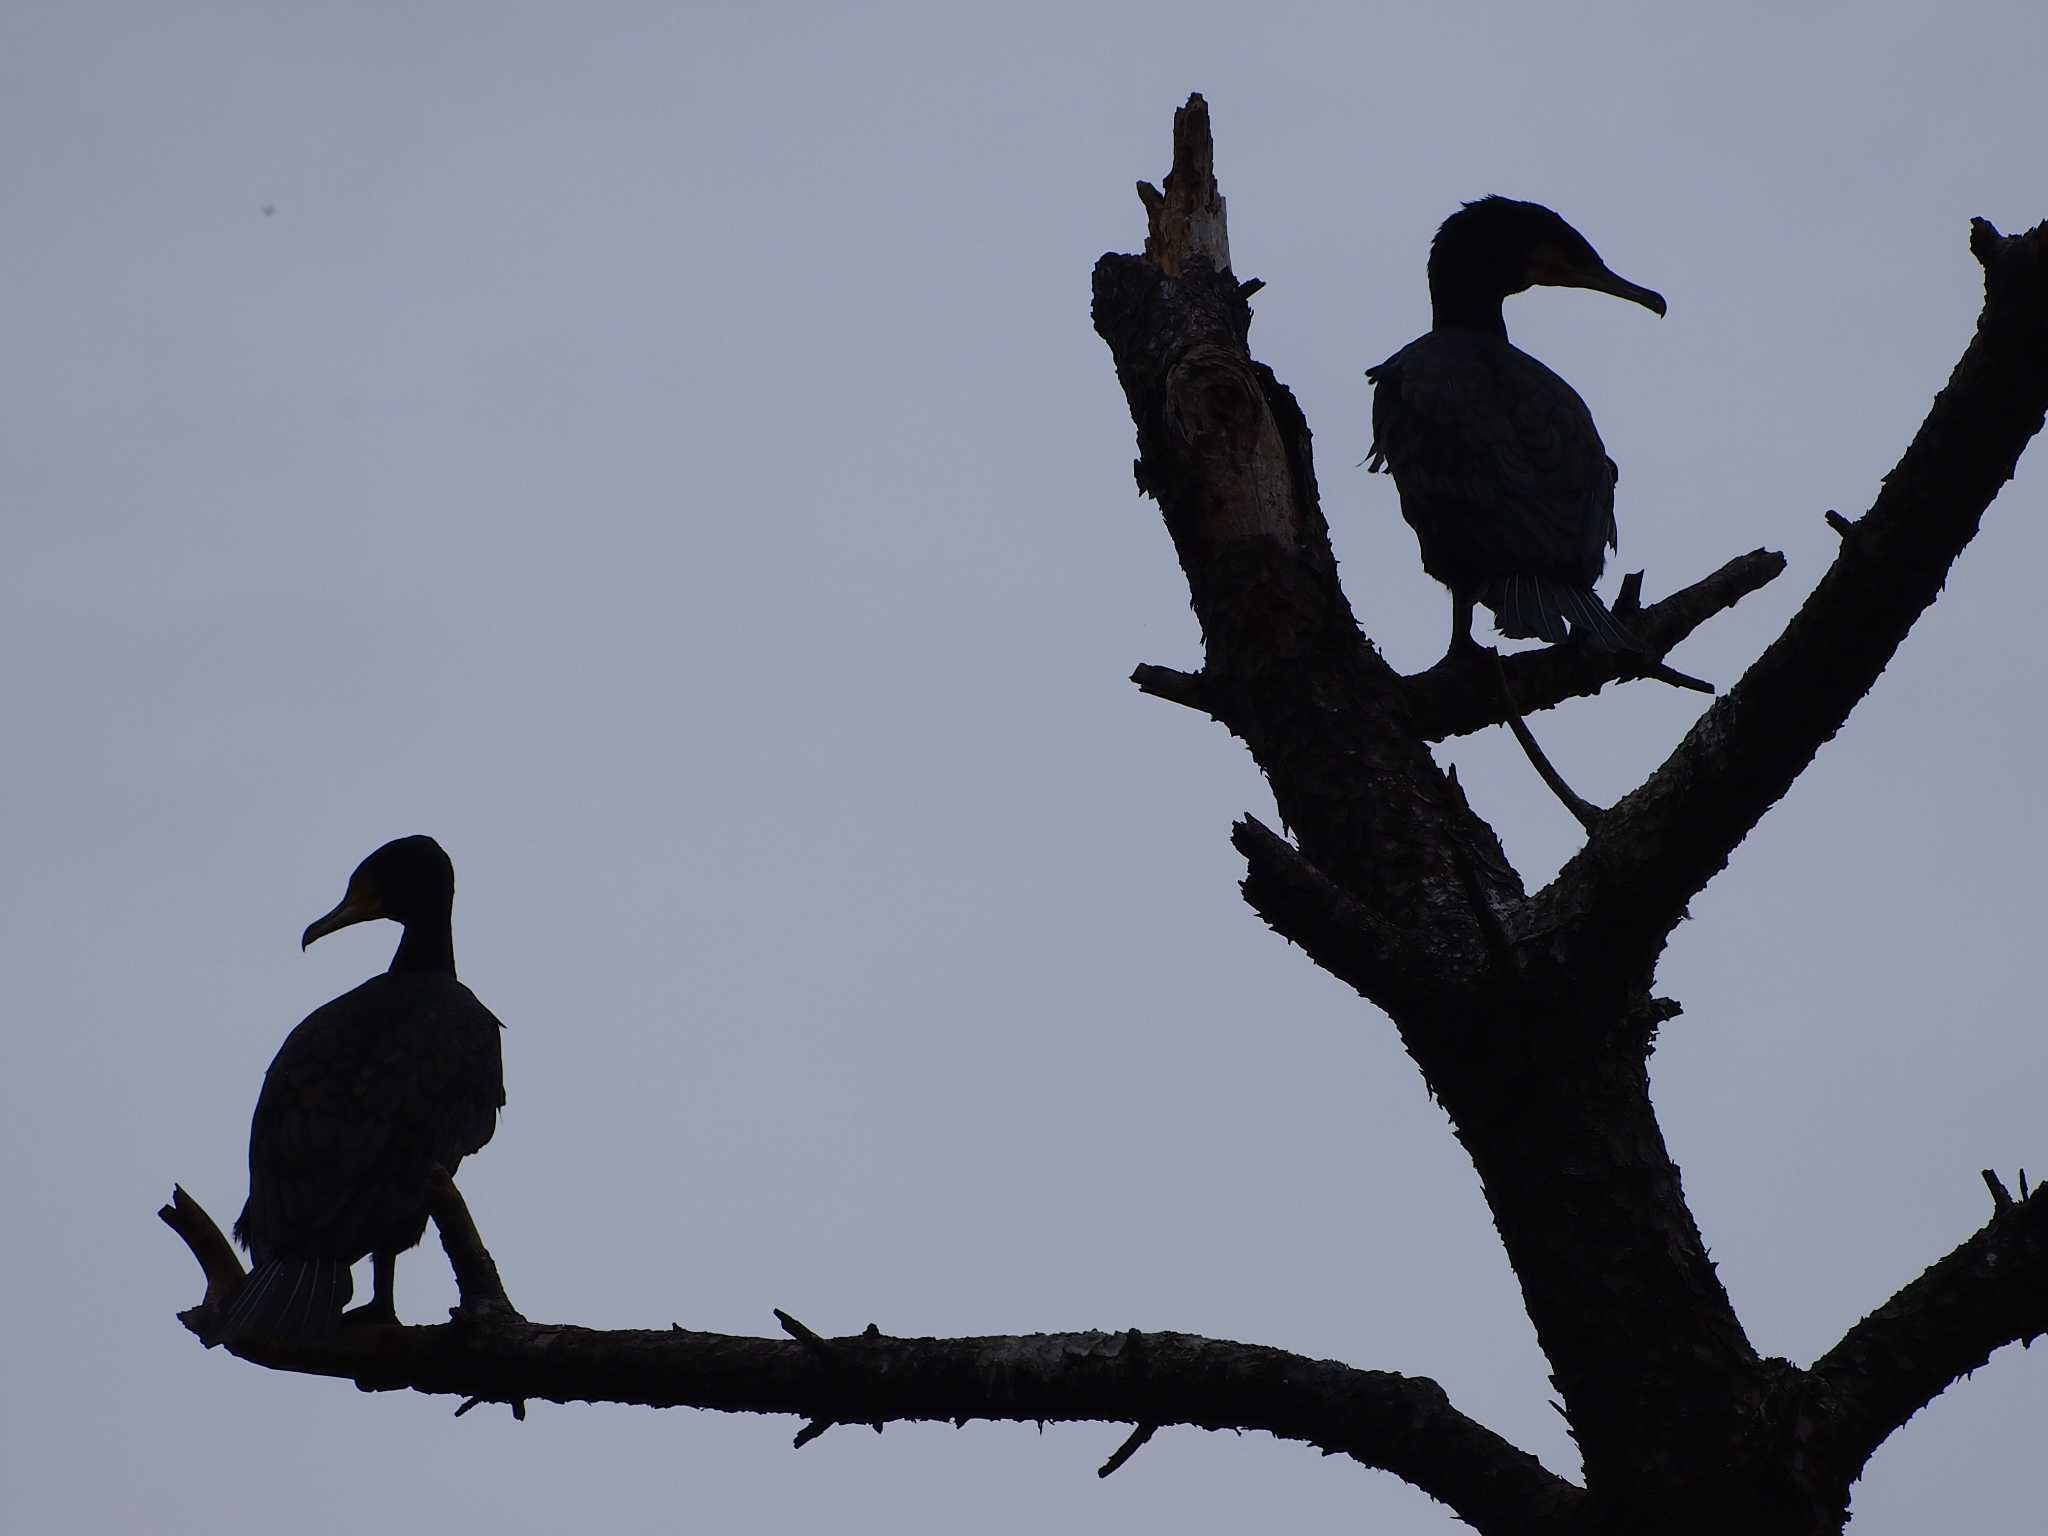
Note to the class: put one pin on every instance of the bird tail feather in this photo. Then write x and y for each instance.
(1525, 608)
(1590, 618)
(294, 1298)
(1538, 608)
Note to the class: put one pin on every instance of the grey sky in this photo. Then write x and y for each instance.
(662, 452)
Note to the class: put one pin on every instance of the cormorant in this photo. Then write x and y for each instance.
(365, 1100)
(1500, 471)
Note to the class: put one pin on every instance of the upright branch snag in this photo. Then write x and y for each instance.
(1189, 230)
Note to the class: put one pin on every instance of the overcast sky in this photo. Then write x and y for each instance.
(661, 451)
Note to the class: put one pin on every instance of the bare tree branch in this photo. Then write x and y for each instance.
(1183, 688)
(1456, 696)
(1990, 1291)
(1660, 845)
(1400, 1424)
(217, 1261)
(1305, 906)
(1451, 699)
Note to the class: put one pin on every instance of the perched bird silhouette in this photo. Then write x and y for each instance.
(1499, 468)
(366, 1099)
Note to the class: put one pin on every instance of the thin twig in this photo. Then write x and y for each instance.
(1583, 810)
(1661, 673)
(1128, 1449)
(803, 1335)
(516, 1404)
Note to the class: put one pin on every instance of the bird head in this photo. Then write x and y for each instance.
(407, 879)
(1498, 246)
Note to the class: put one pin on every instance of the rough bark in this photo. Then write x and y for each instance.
(1531, 1018)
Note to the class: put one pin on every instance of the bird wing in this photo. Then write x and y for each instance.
(1497, 460)
(365, 1097)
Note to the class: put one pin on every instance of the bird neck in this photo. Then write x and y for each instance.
(426, 946)
(1466, 286)
(1453, 307)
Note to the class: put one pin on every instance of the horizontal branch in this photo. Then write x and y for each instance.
(1659, 846)
(1991, 1291)
(1400, 1424)
(1459, 695)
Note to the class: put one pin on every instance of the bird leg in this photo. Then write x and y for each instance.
(1461, 624)
(380, 1310)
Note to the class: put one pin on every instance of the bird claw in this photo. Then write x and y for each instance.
(371, 1314)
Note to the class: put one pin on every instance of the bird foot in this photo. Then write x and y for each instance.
(371, 1314)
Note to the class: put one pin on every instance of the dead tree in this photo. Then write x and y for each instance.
(1531, 1015)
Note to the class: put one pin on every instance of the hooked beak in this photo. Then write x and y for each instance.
(1604, 281)
(356, 907)
(1555, 268)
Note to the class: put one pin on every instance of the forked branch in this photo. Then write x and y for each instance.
(1660, 845)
